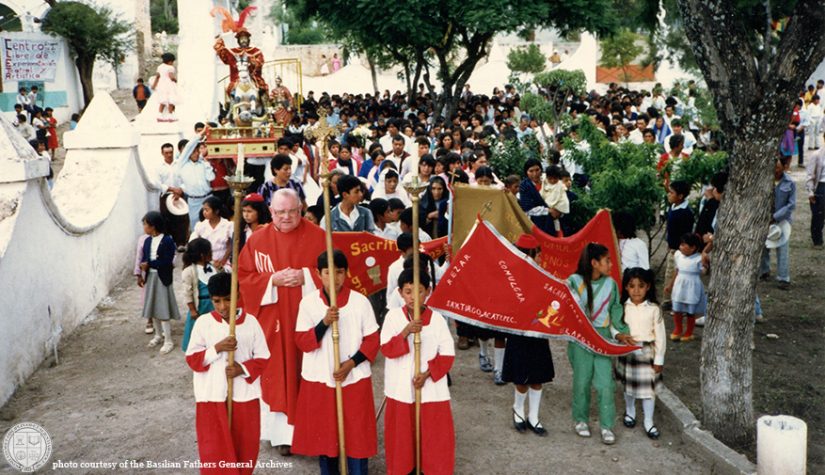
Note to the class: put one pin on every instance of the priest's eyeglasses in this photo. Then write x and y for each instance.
(286, 212)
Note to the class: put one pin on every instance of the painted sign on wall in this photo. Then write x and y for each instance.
(30, 60)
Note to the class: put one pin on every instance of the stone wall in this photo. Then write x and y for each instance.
(61, 251)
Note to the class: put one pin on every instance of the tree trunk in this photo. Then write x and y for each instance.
(85, 69)
(374, 74)
(408, 81)
(726, 365)
(753, 92)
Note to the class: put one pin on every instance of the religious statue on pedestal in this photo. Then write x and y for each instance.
(247, 87)
(281, 98)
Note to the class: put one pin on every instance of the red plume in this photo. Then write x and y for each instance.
(227, 24)
(245, 13)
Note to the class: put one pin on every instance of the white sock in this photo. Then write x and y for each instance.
(498, 355)
(518, 404)
(647, 406)
(535, 402)
(630, 405)
(157, 327)
(482, 348)
(167, 331)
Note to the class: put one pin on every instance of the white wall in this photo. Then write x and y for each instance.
(59, 261)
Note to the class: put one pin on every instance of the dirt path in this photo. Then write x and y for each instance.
(111, 399)
(783, 367)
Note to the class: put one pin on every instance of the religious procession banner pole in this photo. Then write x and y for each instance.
(322, 132)
(414, 189)
(238, 183)
(333, 299)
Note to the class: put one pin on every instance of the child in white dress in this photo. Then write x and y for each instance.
(688, 296)
(165, 87)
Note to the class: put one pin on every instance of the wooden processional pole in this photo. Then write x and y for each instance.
(322, 132)
(333, 299)
(238, 183)
(414, 189)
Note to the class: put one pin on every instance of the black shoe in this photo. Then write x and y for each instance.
(653, 433)
(784, 285)
(628, 421)
(537, 429)
(284, 450)
(498, 379)
(519, 423)
(764, 277)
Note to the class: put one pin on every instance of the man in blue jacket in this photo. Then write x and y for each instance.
(349, 215)
(784, 203)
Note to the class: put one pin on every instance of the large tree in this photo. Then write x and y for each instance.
(452, 36)
(92, 33)
(754, 75)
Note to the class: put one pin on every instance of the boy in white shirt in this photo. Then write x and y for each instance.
(400, 382)
(207, 356)
(316, 431)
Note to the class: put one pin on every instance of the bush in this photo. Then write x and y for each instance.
(700, 167)
(527, 59)
(622, 177)
(508, 156)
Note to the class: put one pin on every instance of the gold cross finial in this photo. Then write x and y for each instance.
(322, 133)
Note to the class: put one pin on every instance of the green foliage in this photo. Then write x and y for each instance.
(301, 30)
(164, 14)
(571, 82)
(620, 50)
(538, 107)
(634, 190)
(457, 33)
(527, 59)
(700, 167)
(305, 35)
(508, 156)
(558, 86)
(703, 110)
(92, 33)
(622, 176)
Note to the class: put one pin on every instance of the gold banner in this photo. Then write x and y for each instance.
(498, 207)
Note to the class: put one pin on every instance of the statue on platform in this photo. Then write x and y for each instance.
(245, 59)
(281, 98)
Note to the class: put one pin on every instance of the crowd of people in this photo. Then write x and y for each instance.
(379, 143)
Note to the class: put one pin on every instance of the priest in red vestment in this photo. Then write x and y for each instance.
(275, 269)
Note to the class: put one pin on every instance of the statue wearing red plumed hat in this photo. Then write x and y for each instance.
(253, 57)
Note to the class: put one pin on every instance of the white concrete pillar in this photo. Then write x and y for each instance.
(781, 445)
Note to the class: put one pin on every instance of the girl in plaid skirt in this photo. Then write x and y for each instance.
(641, 371)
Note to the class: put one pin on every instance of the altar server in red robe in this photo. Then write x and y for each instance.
(224, 449)
(316, 428)
(400, 382)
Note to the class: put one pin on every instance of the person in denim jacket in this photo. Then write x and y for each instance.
(783, 207)
(349, 215)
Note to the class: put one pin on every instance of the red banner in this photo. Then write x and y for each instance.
(493, 285)
(560, 256)
(369, 257)
(434, 248)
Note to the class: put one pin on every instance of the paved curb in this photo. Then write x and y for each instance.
(722, 458)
